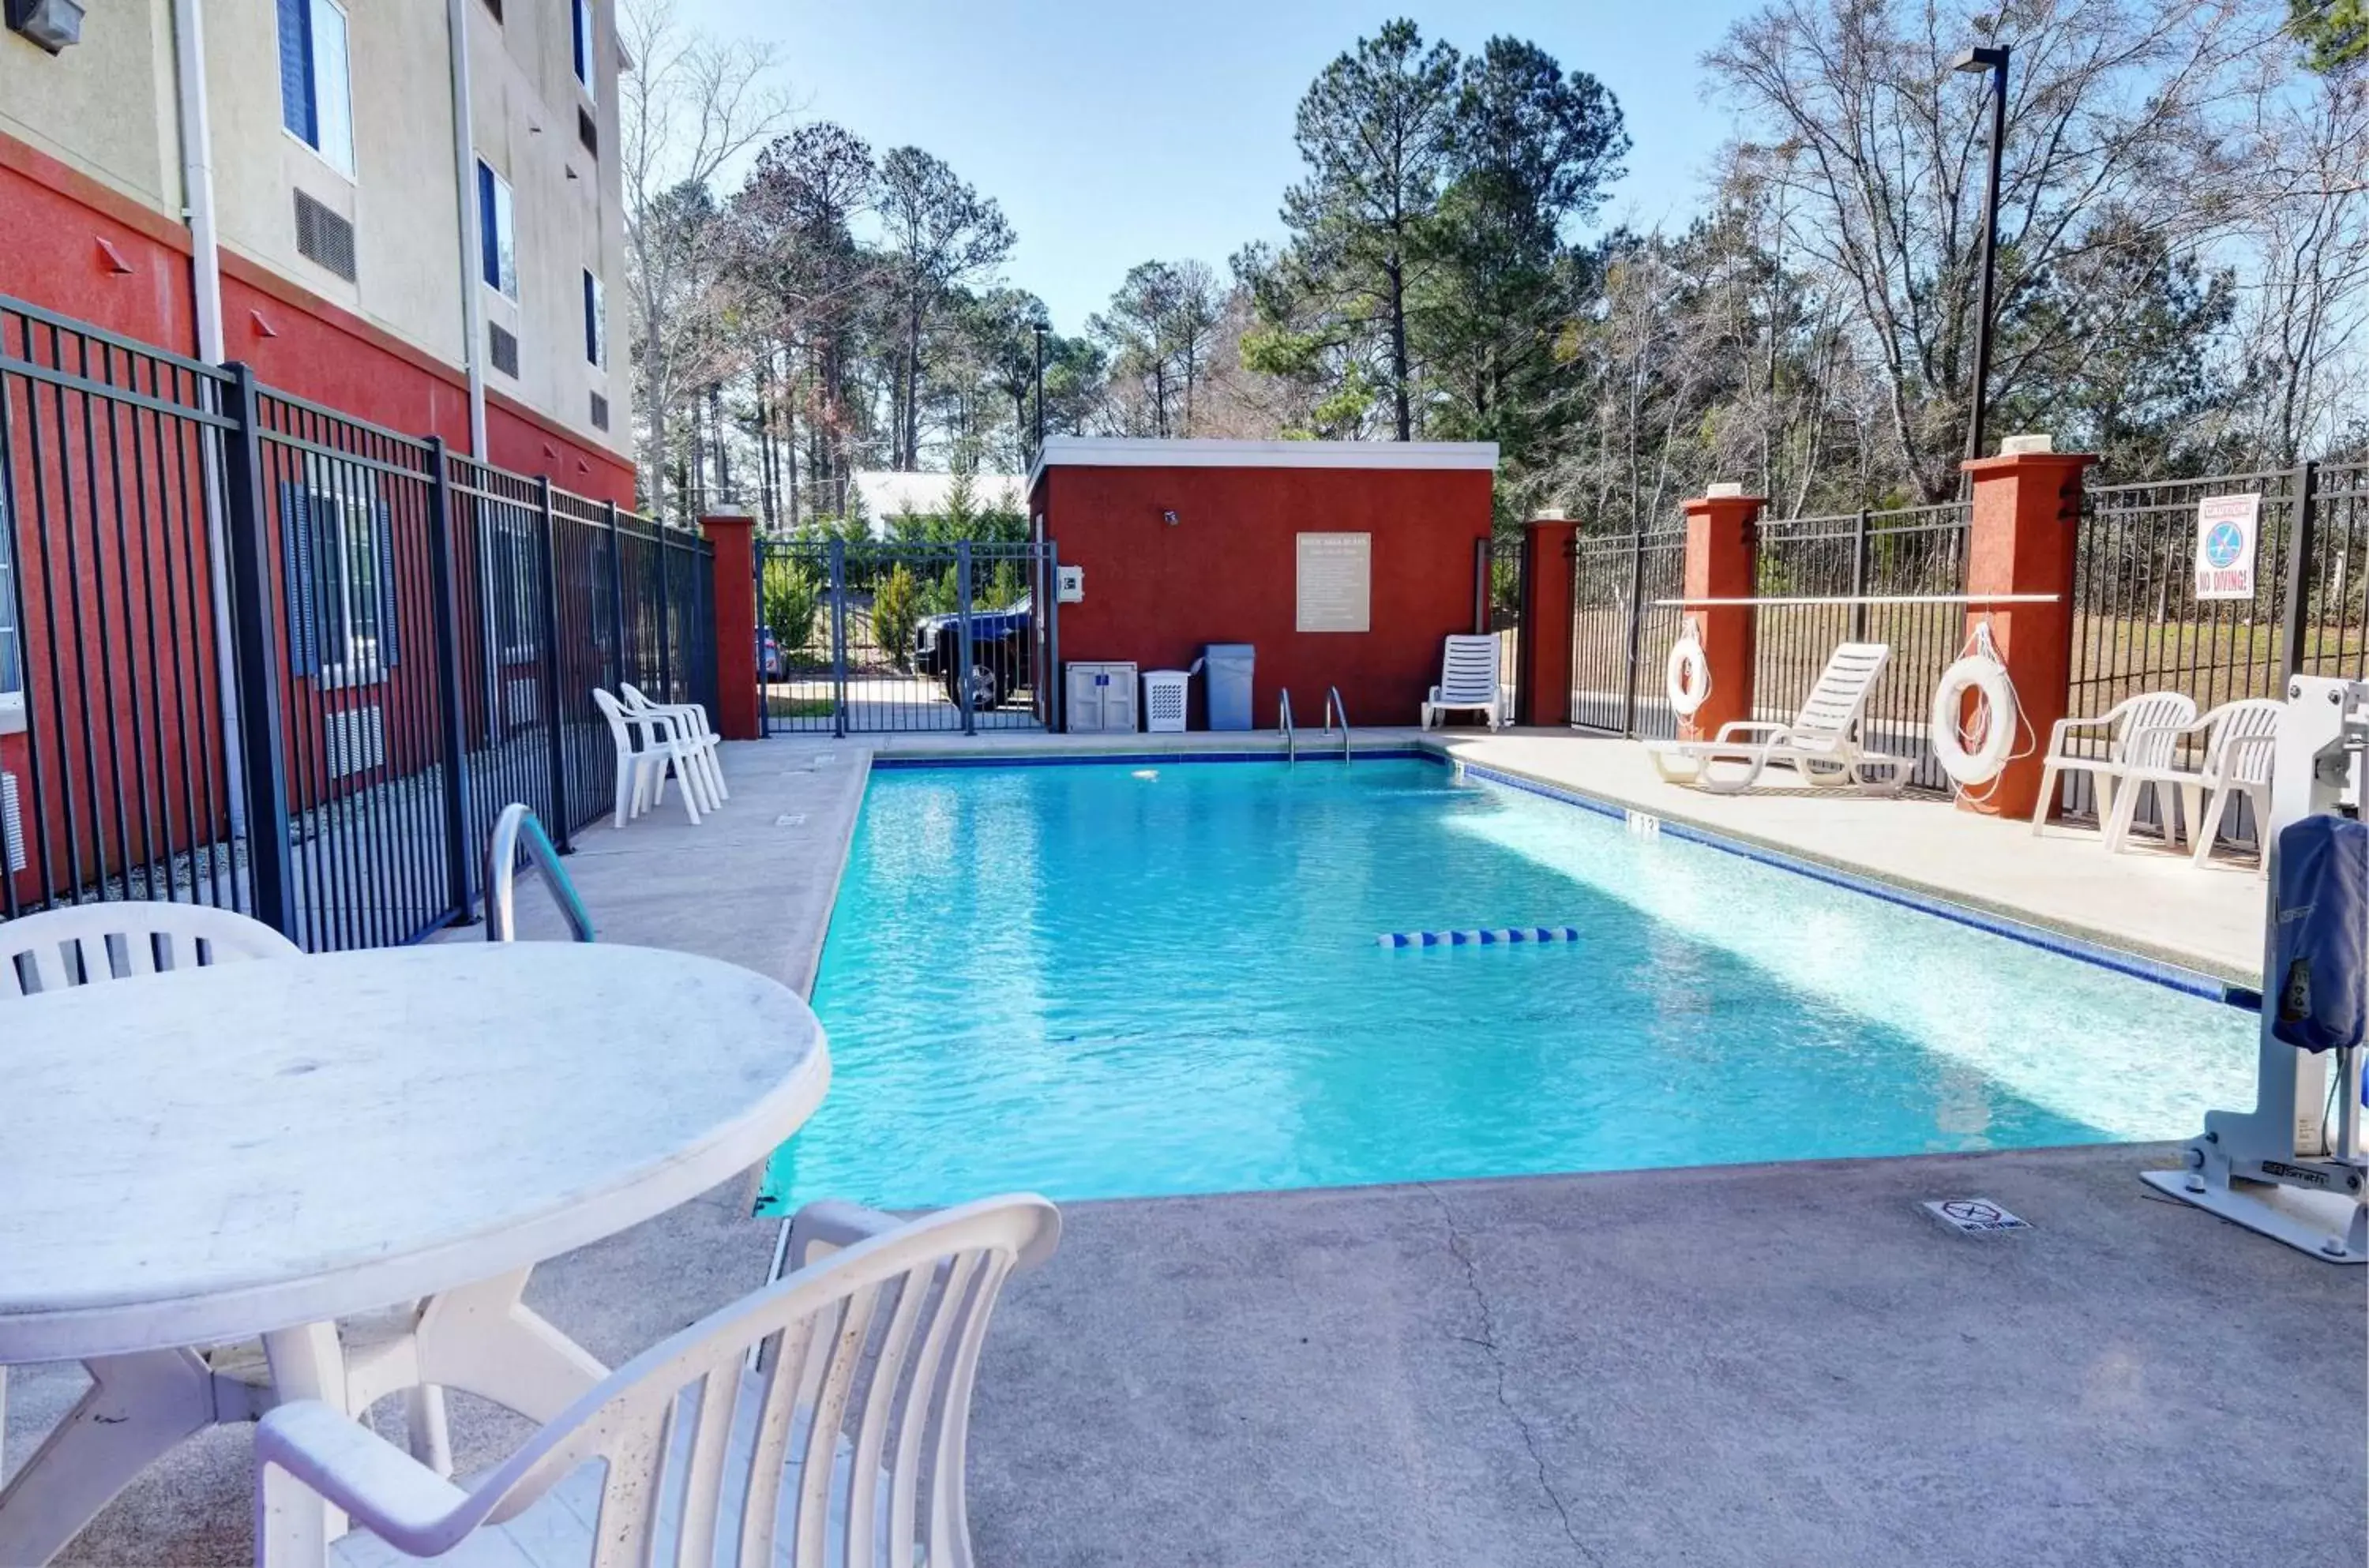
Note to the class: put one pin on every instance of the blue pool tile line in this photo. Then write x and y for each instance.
(1492, 936)
(2173, 976)
(911, 760)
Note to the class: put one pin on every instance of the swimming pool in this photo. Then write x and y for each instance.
(1095, 983)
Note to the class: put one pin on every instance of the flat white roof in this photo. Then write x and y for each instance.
(1127, 451)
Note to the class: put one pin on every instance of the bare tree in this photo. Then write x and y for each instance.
(690, 105)
(2117, 109)
(942, 235)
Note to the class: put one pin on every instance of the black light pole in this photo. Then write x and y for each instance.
(1993, 60)
(1040, 388)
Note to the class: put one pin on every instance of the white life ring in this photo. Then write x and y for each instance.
(1687, 678)
(1981, 674)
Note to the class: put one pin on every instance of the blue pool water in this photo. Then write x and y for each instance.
(1096, 984)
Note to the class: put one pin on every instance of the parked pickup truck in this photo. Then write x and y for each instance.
(998, 653)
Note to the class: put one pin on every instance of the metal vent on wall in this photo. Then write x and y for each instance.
(504, 348)
(599, 412)
(588, 132)
(12, 824)
(357, 740)
(324, 237)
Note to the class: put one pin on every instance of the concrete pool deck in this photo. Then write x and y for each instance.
(1772, 1363)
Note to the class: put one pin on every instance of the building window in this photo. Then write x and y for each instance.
(12, 663)
(316, 95)
(596, 323)
(338, 548)
(497, 241)
(583, 9)
(516, 575)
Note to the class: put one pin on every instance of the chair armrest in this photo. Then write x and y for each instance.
(355, 1469)
(2063, 727)
(1738, 729)
(2239, 744)
(828, 1225)
(1434, 698)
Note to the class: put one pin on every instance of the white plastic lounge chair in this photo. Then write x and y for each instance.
(692, 721)
(2240, 743)
(1468, 679)
(854, 1410)
(642, 767)
(1822, 744)
(2154, 719)
(91, 944)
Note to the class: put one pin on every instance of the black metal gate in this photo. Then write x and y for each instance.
(1620, 635)
(860, 636)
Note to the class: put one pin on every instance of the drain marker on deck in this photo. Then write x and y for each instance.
(791, 819)
(1973, 1216)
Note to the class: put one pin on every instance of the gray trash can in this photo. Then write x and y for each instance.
(1228, 666)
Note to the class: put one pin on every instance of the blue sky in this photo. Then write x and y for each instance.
(1116, 134)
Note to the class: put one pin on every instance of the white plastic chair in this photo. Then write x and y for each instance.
(2152, 720)
(853, 1415)
(2242, 742)
(691, 722)
(642, 768)
(1468, 679)
(91, 944)
(1822, 744)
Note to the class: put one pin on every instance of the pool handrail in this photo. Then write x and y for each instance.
(1334, 704)
(517, 825)
(1290, 744)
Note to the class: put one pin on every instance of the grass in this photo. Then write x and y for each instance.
(797, 707)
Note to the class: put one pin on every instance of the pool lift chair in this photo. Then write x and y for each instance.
(2279, 1168)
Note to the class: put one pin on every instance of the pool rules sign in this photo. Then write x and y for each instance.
(2226, 529)
(1336, 583)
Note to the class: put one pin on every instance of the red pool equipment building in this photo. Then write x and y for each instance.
(1344, 563)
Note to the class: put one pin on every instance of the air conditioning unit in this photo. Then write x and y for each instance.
(12, 824)
(357, 741)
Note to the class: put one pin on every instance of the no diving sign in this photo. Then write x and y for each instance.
(1973, 1216)
(2226, 529)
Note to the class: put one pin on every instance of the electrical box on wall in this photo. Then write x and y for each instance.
(1070, 587)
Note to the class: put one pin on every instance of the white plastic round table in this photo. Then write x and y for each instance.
(266, 1147)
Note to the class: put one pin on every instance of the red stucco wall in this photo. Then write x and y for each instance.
(1228, 572)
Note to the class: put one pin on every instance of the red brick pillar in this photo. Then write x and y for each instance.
(733, 535)
(1544, 680)
(1722, 560)
(2027, 515)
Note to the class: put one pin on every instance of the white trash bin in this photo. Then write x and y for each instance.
(1164, 693)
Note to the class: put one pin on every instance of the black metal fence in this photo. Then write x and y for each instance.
(1910, 552)
(867, 635)
(2139, 626)
(1622, 632)
(1498, 592)
(257, 653)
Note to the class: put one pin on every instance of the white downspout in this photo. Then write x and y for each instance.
(205, 288)
(464, 176)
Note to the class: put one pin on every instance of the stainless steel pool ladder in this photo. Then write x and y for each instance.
(517, 825)
(1334, 704)
(1291, 745)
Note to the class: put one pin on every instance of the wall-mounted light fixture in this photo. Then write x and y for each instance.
(52, 24)
(1169, 517)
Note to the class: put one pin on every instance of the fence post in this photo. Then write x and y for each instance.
(1542, 687)
(2299, 605)
(1859, 577)
(1724, 562)
(2023, 536)
(666, 623)
(447, 608)
(1056, 691)
(1636, 633)
(962, 621)
(838, 638)
(270, 862)
(616, 595)
(555, 703)
(740, 708)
